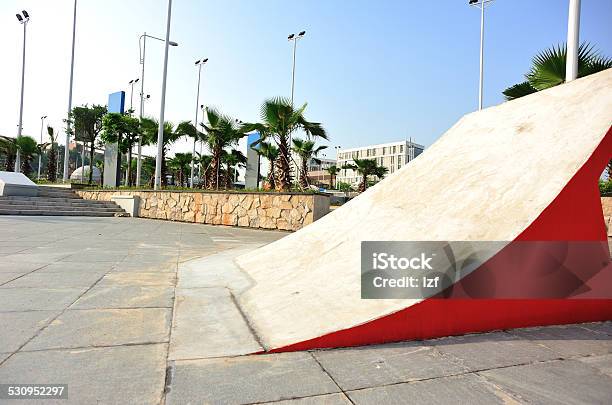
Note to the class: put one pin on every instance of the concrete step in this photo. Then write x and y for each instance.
(57, 213)
(47, 207)
(52, 201)
(41, 198)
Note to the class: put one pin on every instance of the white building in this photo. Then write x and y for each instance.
(392, 155)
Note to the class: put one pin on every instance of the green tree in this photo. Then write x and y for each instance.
(180, 165)
(233, 160)
(366, 168)
(279, 121)
(333, 171)
(203, 162)
(221, 132)
(87, 125)
(548, 69)
(306, 150)
(51, 147)
(8, 147)
(269, 152)
(171, 134)
(28, 148)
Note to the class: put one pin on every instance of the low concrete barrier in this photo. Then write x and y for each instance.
(284, 211)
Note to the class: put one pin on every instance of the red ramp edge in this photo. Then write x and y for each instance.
(574, 215)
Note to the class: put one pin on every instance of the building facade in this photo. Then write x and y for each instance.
(392, 155)
(317, 169)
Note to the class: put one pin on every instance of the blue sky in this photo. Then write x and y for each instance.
(371, 71)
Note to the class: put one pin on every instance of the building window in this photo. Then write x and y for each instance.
(394, 150)
(401, 148)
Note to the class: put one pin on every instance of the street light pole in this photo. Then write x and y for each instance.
(573, 37)
(132, 83)
(23, 18)
(199, 64)
(481, 4)
(66, 151)
(160, 131)
(142, 50)
(294, 38)
(42, 120)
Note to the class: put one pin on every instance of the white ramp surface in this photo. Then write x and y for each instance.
(486, 179)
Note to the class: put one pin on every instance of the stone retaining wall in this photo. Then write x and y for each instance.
(255, 210)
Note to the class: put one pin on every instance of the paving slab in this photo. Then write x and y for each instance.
(6, 277)
(240, 380)
(83, 267)
(100, 297)
(144, 267)
(32, 299)
(162, 279)
(32, 257)
(555, 382)
(66, 279)
(116, 375)
(386, 364)
(602, 363)
(208, 324)
(18, 267)
(104, 327)
(465, 389)
(19, 327)
(568, 340)
(601, 327)
(496, 349)
(330, 399)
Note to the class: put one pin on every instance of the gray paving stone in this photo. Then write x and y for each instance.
(240, 380)
(569, 340)
(602, 363)
(556, 382)
(144, 267)
(466, 389)
(208, 324)
(104, 327)
(18, 267)
(496, 349)
(6, 277)
(82, 267)
(28, 299)
(100, 297)
(601, 327)
(330, 399)
(386, 364)
(31, 257)
(4, 356)
(114, 375)
(67, 279)
(19, 327)
(162, 279)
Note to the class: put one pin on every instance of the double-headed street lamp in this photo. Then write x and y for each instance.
(142, 47)
(480, 4)
(132, 83)
(294, 38)
(199, 63)
(23, 19)
(42, 121)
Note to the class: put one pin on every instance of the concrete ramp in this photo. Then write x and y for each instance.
(525, 170)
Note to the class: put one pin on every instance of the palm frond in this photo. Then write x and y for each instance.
(518, 90)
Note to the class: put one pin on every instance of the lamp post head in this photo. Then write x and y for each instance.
(290, 37)
(131, 81)
(19, 17)
(302, 33)
(172, 43)
(136, 81)
(472, 2)
(25, 14)
(205, 60)
(43, 117)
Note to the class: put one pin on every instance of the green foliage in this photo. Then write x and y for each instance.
(180, 165)
(605, 187)
(342, 186)
(28, 148)
(548, 69)
(8, 147)
(306, 150)
(367, 167)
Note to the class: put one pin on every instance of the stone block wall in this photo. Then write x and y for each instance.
(289, 211)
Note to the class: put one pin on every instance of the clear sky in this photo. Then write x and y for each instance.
(371, 71)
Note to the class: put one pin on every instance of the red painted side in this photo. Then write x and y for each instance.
(574, 215)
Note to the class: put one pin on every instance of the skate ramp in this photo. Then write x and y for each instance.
(523, 170)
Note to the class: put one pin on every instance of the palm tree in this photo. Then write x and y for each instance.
(233, 160)
(548, 69)
(87, 126)
(269, 152)
(52, 156)
(333, 171)
(28, 148)
(8, 147)
(279, 121)
(180, 164)
(189, 130)
(221, 132)
(171, 134)
(306, 150)
(367, 167)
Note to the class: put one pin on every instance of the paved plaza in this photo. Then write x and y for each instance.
(136, 311)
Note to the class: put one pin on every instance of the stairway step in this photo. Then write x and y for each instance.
(58, 213)
(74, 203)
(60, 208)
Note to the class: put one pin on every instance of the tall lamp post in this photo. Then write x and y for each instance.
(68, 123)
(132, 83)
(42, 121)
(142, 47)
(481, 4)
(160, 129)
(23, 19)
(199, 64)
(573, 36)
(294, 38)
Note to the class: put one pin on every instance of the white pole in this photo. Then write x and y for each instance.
(160, 131)
(139, 160)
(573, 38)
(23, 58)
(195, 123)
(481, 79)
(66, 152)
(42, 120)
(293, 69)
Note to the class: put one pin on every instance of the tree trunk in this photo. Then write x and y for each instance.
(26, 168)
(163, 179)
(284, 169)
(364, 184)
(215, 170)
(271, 175)
(228, 177)
(129, 167)
(51, 162)
(304, 174)
(92, 151)
(9, 165)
